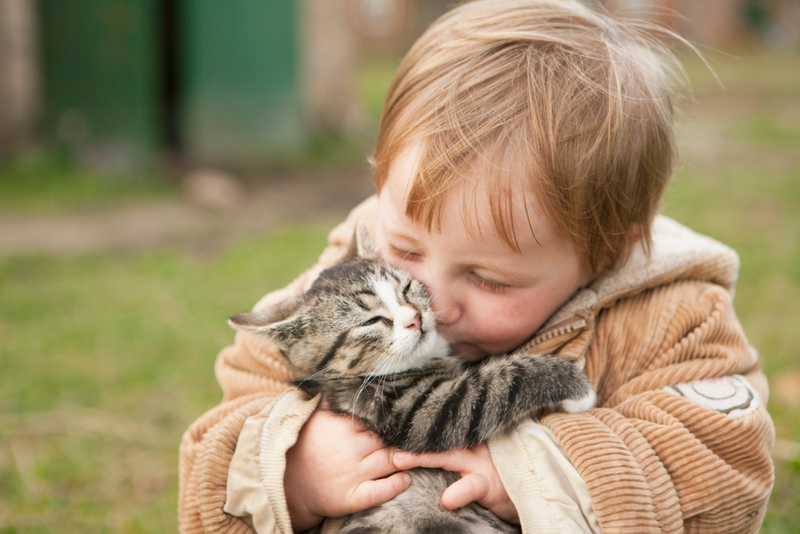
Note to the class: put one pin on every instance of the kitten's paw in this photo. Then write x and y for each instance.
(583, 404)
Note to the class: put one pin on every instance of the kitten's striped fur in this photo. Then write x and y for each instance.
(364, 337)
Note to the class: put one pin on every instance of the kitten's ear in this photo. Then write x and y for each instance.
(362, 245)
(281, 322)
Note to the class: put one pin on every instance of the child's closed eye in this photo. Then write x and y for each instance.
(486, 284)
(405, 255)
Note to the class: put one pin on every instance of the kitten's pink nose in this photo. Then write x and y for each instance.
(415, 322)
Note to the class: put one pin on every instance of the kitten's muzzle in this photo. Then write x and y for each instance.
(408, 317)
(415, 322)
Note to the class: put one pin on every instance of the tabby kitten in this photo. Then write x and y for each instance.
(364, 337)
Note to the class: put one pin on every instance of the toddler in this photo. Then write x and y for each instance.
(523, 150)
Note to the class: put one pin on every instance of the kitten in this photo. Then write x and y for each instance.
(364, 336)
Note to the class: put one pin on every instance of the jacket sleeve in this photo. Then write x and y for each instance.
(546, 489)
(251, 373)
(255, 476)
(681, 439)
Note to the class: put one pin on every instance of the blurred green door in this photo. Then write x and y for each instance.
(240, 90)
(100, 73)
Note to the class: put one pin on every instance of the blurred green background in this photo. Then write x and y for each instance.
(109, 339)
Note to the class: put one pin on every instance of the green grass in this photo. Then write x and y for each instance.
(106, 358)
(49, 181)
(769, 129)
(373, 84)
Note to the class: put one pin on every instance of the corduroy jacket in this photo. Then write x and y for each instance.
(679, 440)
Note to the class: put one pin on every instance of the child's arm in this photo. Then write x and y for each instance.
(654, 460)
(295, 464)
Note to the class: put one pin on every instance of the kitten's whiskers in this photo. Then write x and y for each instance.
(314, 376)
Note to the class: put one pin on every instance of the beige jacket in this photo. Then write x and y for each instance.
(679, 441)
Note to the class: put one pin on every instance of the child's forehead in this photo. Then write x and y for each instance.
(481, 199)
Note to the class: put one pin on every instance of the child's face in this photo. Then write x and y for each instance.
(488, 298)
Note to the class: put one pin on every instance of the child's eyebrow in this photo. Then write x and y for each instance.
(503, 274)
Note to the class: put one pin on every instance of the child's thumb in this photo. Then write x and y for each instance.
(374, 492)
(472, 487)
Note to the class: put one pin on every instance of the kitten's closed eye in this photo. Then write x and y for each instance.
(377, 319)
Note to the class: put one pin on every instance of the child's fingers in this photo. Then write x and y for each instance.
(374, 492)
(464, 491)
(349, 429)
(377, 464)
(449, 461)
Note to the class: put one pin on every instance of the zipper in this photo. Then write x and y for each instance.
(577, 321)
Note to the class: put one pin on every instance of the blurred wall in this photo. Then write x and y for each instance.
(101, 79)
(19, 74)
(722, 23)
(330, 66)
(236, 82)
(716, 23)
(124, 81)
(239, 93)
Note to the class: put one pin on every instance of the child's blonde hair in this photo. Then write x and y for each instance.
(542, 96)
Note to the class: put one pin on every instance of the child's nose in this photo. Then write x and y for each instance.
(445, 307)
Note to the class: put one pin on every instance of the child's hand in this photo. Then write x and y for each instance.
(336, 468)
(479, 482)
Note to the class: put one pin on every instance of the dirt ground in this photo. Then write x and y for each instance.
(194, 220)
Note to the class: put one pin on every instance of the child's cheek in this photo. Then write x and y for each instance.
(507, 322)
(491, 322)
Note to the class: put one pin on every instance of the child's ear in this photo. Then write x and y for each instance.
(282, 323)
(635, 234)
(362, 245)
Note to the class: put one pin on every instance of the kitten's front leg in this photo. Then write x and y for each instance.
(444, 412)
